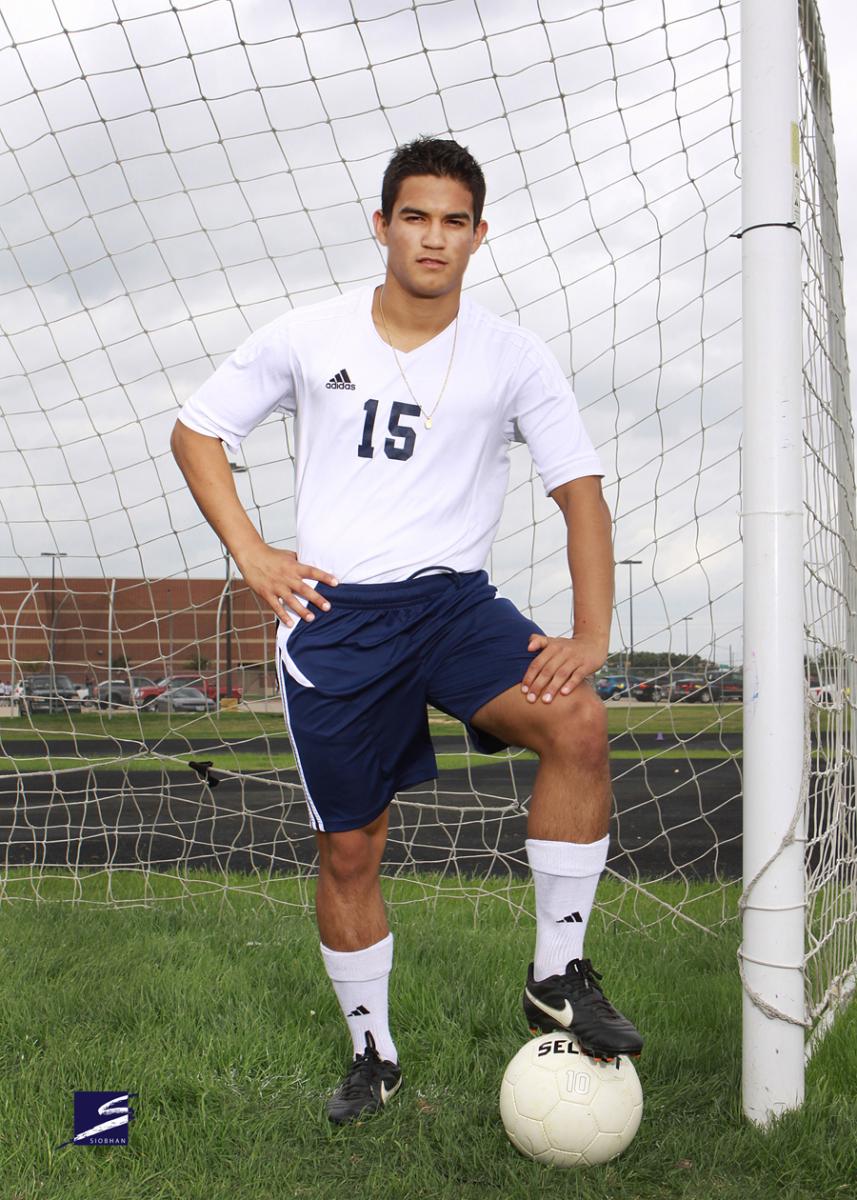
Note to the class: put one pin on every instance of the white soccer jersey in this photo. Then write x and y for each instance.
(378, 496)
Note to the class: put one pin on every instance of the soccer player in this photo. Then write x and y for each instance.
(406, 397)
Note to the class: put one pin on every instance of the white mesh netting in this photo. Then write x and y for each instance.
(174, 175)
(830, 551)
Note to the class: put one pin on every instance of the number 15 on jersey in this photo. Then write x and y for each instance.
(400, 444)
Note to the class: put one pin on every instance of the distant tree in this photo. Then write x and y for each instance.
(656, 662)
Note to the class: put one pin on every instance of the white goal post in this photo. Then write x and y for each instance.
(772, 512)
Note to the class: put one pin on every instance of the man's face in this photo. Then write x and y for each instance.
(430, 235)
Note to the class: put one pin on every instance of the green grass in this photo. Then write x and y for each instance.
(675, 718)
(669, 719)
(219, 1015)
(256, 763)
(632, 718)
(233, 723)
(245, 763)
(227, 732)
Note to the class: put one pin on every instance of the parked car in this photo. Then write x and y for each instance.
(690, 688)
(207, 686)
(651, 689)
(705, 689)
(47, 693)
(182, 699)
(120, 689)
(609, 686)
(727, 687)
(146, 696)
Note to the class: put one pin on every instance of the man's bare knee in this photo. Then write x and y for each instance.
(576, 730)
(352, 856)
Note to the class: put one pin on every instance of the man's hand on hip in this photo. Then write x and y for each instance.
(278, 578)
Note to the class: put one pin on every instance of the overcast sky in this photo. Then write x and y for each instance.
(139, 251)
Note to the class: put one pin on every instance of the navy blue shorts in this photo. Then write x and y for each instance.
(355, 684)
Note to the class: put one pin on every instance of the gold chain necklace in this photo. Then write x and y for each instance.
(426, 416)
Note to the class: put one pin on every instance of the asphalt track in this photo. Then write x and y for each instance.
(672, 815)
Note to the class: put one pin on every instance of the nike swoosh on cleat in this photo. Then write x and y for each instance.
(385, 1095)
(563, 1016)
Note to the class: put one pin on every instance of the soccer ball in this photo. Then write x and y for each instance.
(561, 1106)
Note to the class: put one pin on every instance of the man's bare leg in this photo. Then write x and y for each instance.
(348, 903)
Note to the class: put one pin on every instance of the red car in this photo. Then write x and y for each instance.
(146, 696)
(693, 688)
(703, 689)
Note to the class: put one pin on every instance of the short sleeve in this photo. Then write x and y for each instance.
(256, 380)
(544, 412)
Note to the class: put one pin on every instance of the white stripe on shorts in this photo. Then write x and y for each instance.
(314, 816)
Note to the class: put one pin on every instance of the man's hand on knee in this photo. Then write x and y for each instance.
(562, 665)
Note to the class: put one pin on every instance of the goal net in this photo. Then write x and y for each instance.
(175, 175)
(830, 555)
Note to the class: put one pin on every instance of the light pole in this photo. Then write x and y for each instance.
(236, 469)
(53, 555)
(630, 563)
(686, 650)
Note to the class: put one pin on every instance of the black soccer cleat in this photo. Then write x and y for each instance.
(369, 1084)
(573, 1003)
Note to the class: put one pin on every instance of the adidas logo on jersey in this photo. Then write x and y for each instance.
(340, 380)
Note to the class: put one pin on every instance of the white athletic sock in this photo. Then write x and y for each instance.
(565, 875)
(360, 979)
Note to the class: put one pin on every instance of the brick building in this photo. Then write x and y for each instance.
(158, 627)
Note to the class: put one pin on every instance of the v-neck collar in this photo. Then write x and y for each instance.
(407, 355)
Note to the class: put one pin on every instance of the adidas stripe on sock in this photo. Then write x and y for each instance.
(360, 979)
(565, 875)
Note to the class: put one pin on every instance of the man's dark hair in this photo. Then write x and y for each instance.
(433, 156)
